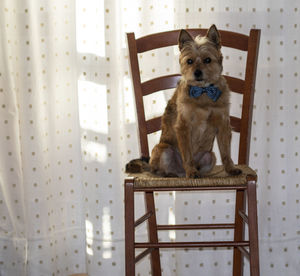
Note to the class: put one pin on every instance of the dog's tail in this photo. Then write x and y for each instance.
(138, 165)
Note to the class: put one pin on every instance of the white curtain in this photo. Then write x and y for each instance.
(68, 126)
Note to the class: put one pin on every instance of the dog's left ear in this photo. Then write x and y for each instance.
(214, 36)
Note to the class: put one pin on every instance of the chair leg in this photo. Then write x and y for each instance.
(152, 233)
(253, 229)
(238, 261)
(129, 229)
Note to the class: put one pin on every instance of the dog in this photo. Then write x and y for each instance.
(197, 113)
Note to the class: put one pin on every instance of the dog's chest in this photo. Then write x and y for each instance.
(202, 130)
(199, 119)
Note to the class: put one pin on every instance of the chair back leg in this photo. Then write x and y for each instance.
(152, 234)
(239, 233)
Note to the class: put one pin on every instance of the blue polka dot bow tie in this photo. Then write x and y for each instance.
(213, 92)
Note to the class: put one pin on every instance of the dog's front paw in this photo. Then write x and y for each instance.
(193, 173)
(234, 171)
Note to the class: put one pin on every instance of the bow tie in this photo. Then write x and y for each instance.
(213, 92)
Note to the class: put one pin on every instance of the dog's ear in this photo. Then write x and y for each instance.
(184, 37)
(214, 36)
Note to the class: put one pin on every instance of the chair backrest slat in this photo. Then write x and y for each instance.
(235, 84)
(171, 81)
(153, 125)
(161, 83)
(245, 87)
(235, 123)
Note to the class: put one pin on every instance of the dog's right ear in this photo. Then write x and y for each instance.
(184, 37)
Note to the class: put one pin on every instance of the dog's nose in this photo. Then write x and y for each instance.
(198, 74)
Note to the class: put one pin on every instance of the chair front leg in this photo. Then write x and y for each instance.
(253, 229)
(129, 228)
(152, 233)
(239, 233)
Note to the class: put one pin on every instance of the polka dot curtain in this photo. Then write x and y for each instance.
(68, 126)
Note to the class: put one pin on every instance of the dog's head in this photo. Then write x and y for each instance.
(200, 58)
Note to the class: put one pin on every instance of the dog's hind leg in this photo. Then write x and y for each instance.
(171, 162)
(166, 161)
(205, 161)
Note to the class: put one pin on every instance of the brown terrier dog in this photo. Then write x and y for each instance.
(196, 114)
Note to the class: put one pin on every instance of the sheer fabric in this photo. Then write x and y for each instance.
(68, 127)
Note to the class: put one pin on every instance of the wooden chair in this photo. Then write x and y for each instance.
(244, 185)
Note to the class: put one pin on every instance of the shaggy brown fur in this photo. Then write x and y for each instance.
(190, 125)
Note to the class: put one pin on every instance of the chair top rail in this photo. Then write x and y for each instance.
(170, 38)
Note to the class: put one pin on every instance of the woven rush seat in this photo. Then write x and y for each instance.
(217, 177)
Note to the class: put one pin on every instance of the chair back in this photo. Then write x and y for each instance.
(245, 86)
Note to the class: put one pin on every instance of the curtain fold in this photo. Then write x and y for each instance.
(42, 223)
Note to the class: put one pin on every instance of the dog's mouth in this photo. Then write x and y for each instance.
(198, 82)
(199, 79)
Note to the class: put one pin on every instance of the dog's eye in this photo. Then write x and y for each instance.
(189, 61)
(207, 60)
